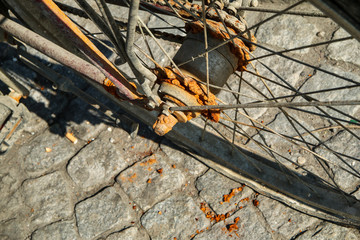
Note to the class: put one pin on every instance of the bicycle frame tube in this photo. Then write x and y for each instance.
(45, 17)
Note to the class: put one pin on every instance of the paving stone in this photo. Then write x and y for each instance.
(183, 160)
(46, 151)
(346, 144)
(176, 25)
(42, 99)
(151, 180)
(48, 199)
(330, 231)
(347, 51)
(134, 149)
(14, 228)
(96, 165)
(212, 187)
(177, 217)
(10, 182)
(82, 120)
(249, 227)
(122, 13)
(64, 230)
(159, 56)
(321, 81)
(282, 31)
(131, 233)
(110, 208)
(282, 219)
(289, 71)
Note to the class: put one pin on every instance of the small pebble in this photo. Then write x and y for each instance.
(321, 34)
(301, 160)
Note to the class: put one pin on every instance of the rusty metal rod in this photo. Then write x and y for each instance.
(266, 105)
(51, 49)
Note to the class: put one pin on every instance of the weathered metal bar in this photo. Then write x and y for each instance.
(266, 105)
(51, 49)
(61, 29)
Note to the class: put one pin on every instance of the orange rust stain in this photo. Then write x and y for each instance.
(256, 203)
(109, 86)
(160, 170)
(227, 197)
(173, 166)
(245, 199)
(130, 179)
(199, 91)
(234, 226)
(211, 215)
(148, 162)
(149, 180)
(164, 124)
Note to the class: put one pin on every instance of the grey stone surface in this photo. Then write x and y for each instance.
(10, 196)
(96, 165)
(175, 24)
(47, 199)
(345, 143)
(132, 233)
(284, 220)
(212, 187)
(249, 227)
(347, 51)
(151, 180)
(159, 56)
(47, 151)
(109, 209)
(256, 89)
(14, 228)
(322, 81)
(177, 217)
(133, 149)
(183, 160)
(64, 230)
(330, 231)
(83, 121)
(282, 32)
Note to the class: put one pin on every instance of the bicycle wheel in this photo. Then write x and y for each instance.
(289, 125)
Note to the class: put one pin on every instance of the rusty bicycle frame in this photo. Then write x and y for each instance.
(54, 29)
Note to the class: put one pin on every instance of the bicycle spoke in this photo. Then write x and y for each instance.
(299, 13)
(206, 48)
(302, 47)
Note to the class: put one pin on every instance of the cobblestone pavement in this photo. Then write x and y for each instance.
(110, 185)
